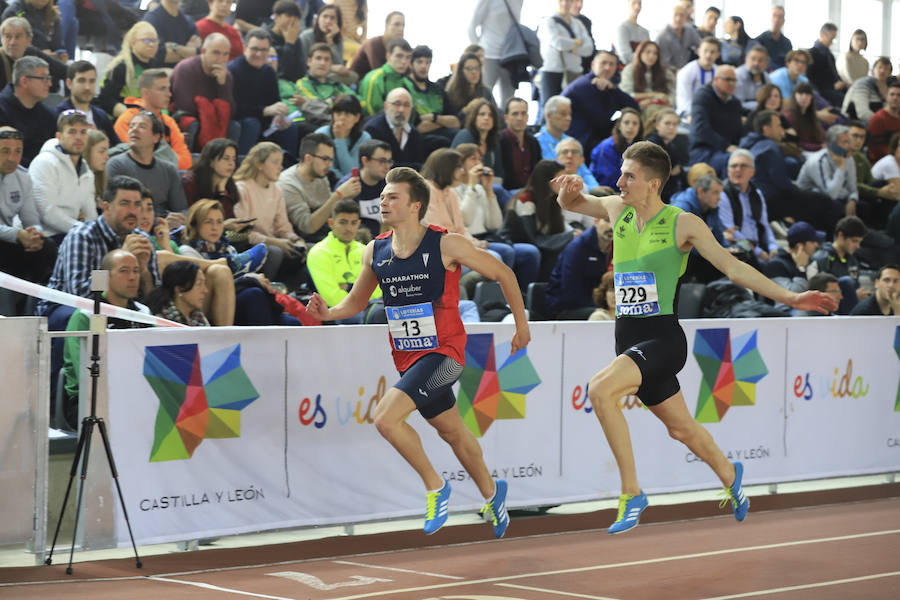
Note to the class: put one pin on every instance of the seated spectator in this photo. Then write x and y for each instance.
(145, 133)
(375, 86)
(564, 41)
(25, 252)
(206, 238)
(830, 172)
(16, 37)
(436, 121)
(519, 149)
(251, 14)
(307, 194)
(336, 261)
(888, 166)
(155, 97)
(45, 24)
(663, 127)
(606, 159)
(373, 52)
(696, 74)
(774, 41)
(346, 133)
(441, 172)
(800, 111)
(84, 247)
(141, 50)
(743, 208)
(593, 100)
(702, 199)
(571, 156)
(259, 108)
(203, 89)
(182, 293)
(166, 248)
(215, 22)
(393, 126)
(96, 155)
(716, 120)
(263, 204)
(538, 218)
(211, 178)
(877, 197)
(735, 42)
(21, 105)
(803, 241)
(769, 98)
(465, 86)
(483, 218)
(284, 31)
(319, 86)
(629, 34)
(63, 181)
(646, 79)
(751, 77)
(867, 94)
(679, 40)
(482, 128)
(792, 74)
(81, 81)
(374, 164)
(839, 259)
(557, 118)
(823, 74)
(852, 65)
(884, 123)
(822, 282)
(177, 33)
(707, 24)
(775, 175)
(604, 296)
(327, 30)
(579, 269)
(124, 285)
(886, 299)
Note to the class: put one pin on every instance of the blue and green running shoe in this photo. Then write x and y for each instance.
(735, 494)
(437, 505)
(630, 509)
(494, 510)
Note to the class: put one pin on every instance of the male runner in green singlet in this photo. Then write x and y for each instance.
(651, 242)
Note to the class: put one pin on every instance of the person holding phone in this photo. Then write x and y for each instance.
(205, 237)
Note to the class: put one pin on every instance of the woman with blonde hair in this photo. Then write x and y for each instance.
(261, 202)
(95, 155)
(140, 51)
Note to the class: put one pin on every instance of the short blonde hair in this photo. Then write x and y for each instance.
(697, 171)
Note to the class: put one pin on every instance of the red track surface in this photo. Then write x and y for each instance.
(848, 551)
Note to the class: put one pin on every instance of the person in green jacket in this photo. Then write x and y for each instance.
(336, 261)
(374, 87)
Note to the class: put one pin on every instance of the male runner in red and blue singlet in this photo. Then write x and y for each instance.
(418, 269)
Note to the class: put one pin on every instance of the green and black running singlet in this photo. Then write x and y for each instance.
(647, 264)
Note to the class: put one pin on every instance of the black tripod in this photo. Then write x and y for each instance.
(99, 280)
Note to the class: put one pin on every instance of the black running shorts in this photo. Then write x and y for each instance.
(429, 382)
(658, 347)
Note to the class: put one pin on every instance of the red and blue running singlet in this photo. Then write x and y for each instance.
(421, 299)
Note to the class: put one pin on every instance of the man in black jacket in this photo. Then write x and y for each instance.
(392, 126)
(21, 106)
(716, 121)
(822, 72)
(803, 241)
(519, 150)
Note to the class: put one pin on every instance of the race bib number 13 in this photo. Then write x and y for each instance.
(636, 294)
(412, 326)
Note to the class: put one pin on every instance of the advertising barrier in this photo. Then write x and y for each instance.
(224, 431)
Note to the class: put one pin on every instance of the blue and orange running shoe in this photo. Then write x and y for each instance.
(630, 509)
(494, 510)
(735, 494)
(437, 505)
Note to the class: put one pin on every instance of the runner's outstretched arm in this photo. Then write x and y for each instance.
(692, 231)
(571, 198)
(355, 301)
(461, 250)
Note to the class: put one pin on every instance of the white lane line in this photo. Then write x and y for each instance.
(358, 564)
(627, 564)
(556, 592)
(807, 586)
(208, 586)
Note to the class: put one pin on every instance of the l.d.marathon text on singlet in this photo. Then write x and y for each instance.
(421, 300)
(647, 264)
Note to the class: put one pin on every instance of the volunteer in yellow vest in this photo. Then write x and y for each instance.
(374, 87)
(336, 261)
(651, 242)
(155, 97)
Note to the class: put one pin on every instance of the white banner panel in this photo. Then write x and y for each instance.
(219, 431)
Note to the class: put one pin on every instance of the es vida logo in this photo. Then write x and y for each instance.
(730, 370)
(200, 397)
(843, 384)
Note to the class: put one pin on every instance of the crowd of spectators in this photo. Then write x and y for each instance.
(224, 163)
